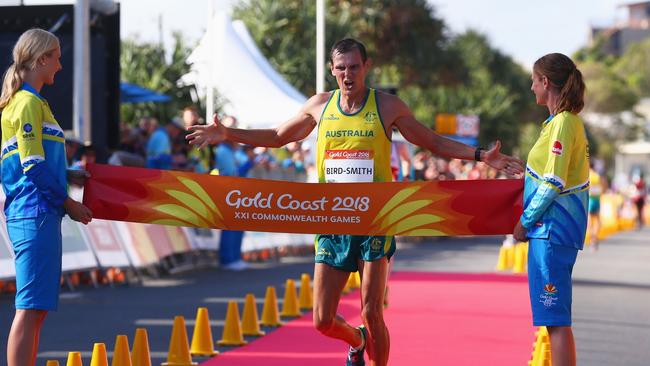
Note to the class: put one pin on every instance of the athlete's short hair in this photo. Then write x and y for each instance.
(346, 45)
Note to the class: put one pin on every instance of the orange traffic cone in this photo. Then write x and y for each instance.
(270, 316)
(121, 354)
(249, 323)
(99, 357)
(74, 359)
(52, 363)
(232, 334)
(202, 344)
(140, 353)
(305, 298)
(179, 349)
(290, 307)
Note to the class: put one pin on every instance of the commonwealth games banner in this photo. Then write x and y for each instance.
(477, 207)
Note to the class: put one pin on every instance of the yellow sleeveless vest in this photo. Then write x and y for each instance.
(352, 147)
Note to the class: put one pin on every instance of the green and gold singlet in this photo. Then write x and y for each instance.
(353, 147)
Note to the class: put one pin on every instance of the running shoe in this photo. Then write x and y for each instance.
(355, 357)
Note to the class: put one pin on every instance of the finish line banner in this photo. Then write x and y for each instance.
(442, 208)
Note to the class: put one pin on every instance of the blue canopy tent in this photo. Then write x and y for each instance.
(132, 93)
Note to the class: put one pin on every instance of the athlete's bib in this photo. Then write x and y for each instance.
(349, 166)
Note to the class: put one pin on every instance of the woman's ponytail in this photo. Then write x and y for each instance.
(10, 84)
(563, 75)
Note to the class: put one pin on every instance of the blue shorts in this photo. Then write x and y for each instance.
(549, 281)
(344, 251)
(37, 246)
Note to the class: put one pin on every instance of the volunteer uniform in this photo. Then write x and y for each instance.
(555, 215)
(34, 182)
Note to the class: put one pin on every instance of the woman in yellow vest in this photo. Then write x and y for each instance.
(556, 187)
(354, 145)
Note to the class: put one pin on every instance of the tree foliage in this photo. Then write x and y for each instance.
(145, 64)
(614, 84)
(497, 90)
(405, 34)
(634, 68)
(607, 92)
(411, 49)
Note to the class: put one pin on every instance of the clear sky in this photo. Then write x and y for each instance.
(523, 29)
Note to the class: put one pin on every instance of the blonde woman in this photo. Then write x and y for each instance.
(34, 181)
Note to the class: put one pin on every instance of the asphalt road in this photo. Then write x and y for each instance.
(611, 299)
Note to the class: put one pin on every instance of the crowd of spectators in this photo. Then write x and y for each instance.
(152, 144)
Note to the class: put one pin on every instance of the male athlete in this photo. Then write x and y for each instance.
(356, 119)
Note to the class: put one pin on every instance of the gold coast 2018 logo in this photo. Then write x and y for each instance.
(549, 297)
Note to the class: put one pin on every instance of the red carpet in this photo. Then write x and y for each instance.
(434, 319)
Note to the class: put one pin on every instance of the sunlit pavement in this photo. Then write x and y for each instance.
(611, 298)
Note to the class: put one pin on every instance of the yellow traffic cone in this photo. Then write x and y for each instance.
(305, 298)
(270, 316)
(232, 335)
(74, 359)
(354, 281)
(526, 245)
(541, 339)
(179, 349)
(290, 305)
(52, 363)
(202, 344)
(99, 357)
(346, 288)
(249, 323)
(121, 354)
(520, 259)
(537, 348)
(140, 353)
(545, 356)
(510, 256)
(501, 261)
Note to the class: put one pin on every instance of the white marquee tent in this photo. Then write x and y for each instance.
(254, 92)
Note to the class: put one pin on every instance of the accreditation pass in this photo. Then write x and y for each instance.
(349, 166)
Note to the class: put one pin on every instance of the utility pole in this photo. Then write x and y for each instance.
(81, 74)
(320, 46)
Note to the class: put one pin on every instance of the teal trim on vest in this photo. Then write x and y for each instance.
(322, 113)
(338, 104)
(390, 138)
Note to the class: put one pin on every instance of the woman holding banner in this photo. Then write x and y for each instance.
(556, 187)
(34, 180)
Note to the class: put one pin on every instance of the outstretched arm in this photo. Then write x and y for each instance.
(295, 129)
(418, 134)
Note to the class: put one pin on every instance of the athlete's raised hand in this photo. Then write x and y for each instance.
(510, 165)
(204, 135)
